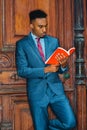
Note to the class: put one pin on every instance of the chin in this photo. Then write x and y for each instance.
(43, 35)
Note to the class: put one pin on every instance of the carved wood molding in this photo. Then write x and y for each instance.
(5, 61)
(81, 93)
(10, 91)
(6, 126)
(79, 41)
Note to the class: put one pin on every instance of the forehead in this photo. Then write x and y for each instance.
(40, 21)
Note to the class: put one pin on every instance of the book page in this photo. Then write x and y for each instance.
(71, 50)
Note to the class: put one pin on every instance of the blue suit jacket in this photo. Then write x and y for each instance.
(30, 66)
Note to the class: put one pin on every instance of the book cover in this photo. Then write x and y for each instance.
(53, 58)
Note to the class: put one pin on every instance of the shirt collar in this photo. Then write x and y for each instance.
(34, 36)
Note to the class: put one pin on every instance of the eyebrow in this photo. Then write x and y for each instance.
(43, 25)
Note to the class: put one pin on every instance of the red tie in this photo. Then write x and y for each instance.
(40, 49)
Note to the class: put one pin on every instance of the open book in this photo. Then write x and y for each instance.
(59, 51)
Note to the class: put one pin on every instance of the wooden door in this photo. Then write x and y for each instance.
(14, 24)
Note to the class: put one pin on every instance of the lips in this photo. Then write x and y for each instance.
(43, 34)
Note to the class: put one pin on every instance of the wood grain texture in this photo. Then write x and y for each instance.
(14, 21)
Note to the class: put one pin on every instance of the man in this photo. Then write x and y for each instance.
(44, 88)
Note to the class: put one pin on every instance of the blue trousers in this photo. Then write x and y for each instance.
(65, 119)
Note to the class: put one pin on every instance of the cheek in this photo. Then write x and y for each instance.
(38, 30)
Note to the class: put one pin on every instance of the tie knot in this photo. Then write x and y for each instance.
(38, 39)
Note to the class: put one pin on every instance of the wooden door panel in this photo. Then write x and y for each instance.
(22, 118)
(16, 21)
(10, 77)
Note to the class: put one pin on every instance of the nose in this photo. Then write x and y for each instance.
(44, 29)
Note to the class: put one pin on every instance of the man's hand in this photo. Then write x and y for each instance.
(51, 68)
(54, 68)
(62, 60)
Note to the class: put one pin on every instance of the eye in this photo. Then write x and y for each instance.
(40, 26)
(46, 26)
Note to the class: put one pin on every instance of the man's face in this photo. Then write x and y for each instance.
(39, 27)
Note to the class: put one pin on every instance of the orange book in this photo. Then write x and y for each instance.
(59, 51)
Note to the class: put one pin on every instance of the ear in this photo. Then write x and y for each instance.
(31, 26)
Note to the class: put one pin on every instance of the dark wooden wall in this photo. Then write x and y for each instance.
(14, 24)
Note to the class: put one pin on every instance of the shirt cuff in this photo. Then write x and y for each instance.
(63, 69)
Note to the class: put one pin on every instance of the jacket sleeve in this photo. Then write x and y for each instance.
(62, 70)
(23, 68)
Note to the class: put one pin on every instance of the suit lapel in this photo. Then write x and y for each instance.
(47, 48)
(34, 48)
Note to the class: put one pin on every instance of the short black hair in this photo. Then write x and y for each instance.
(37, 14)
